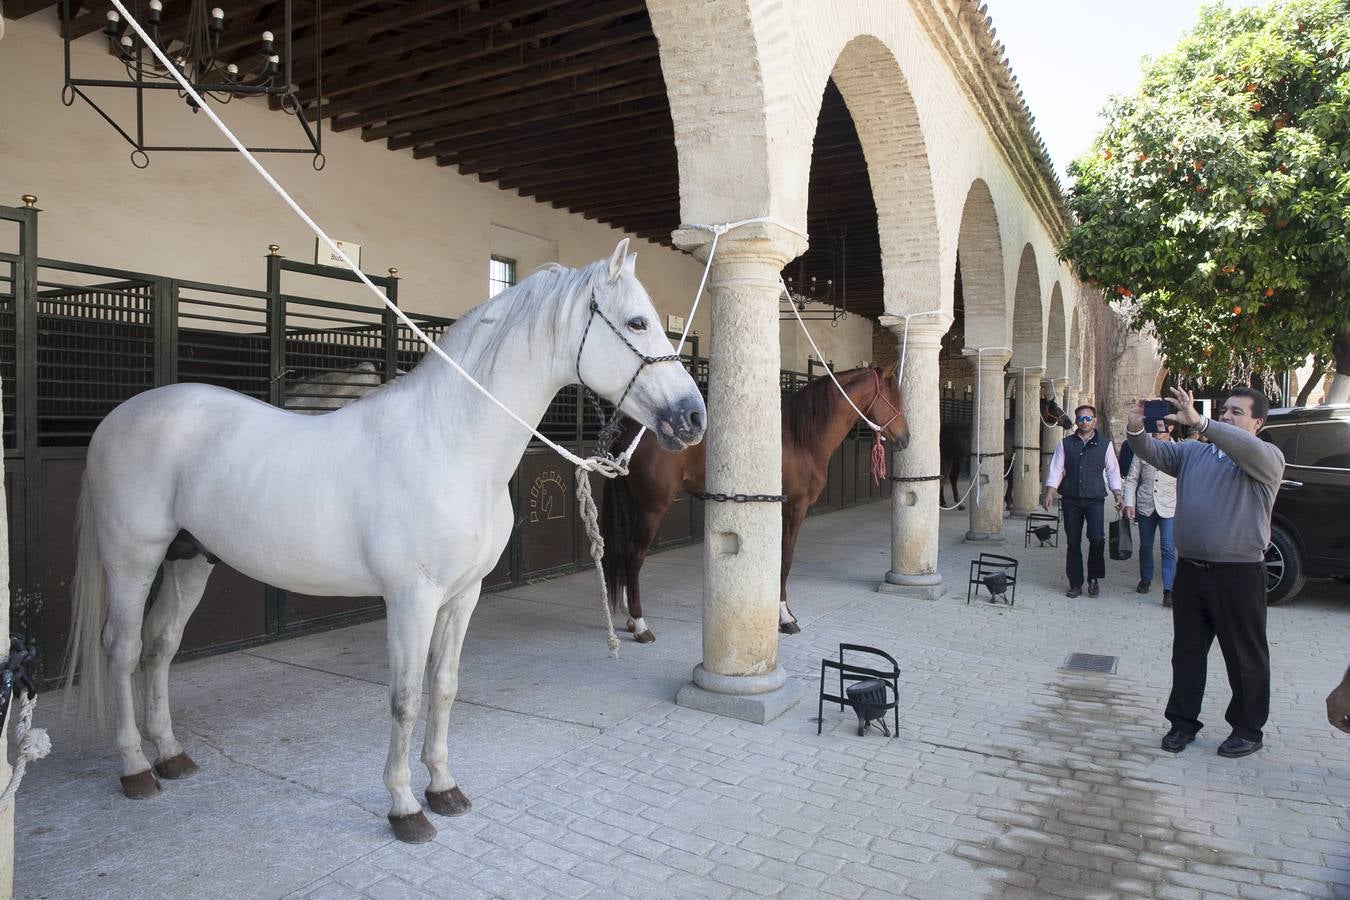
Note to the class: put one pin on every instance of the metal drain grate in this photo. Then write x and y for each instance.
(1091, 662)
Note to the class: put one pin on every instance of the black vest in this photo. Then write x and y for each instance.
(1083, 467)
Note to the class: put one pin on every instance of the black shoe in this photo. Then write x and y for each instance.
(1141, 587)
(1176, 740)
(1238, 746)
(1093, 588)
(1167, 599)
(1073, 592)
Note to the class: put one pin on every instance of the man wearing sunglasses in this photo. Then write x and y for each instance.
(1083, 467)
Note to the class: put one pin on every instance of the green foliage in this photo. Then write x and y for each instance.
(1217, 197)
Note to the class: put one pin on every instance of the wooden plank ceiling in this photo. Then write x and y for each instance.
(560, 100)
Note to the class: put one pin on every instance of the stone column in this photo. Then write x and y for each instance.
(986, 463)
(1051, 435)
(914, 503)
(742, 547)
(1027, 441)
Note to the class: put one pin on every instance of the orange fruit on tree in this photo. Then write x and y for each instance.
(1270, 292)
(1256, 106)
(1237, 310)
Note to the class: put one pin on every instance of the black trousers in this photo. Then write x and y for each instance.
(1077, 511)
(1227, 602)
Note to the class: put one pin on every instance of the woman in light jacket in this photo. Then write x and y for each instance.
(1151, 500)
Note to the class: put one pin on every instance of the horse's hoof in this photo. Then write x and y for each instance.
(175, 767)
(789, 628)
(645, 637)
(412, 828)
(449, 803)
(140, 786)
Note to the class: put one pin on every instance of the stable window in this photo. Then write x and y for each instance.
(501, 274)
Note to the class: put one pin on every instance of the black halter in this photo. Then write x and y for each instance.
(609, 432)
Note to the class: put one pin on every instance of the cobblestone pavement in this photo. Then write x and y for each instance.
(1010, 776)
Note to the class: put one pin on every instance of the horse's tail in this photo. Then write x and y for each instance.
(618, 526)
(85, 658)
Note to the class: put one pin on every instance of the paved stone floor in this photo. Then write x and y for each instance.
(1010, 776)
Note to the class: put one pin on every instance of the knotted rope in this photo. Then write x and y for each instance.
(609, 468)
(33, 744)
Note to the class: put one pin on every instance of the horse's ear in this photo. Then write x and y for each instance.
(617, 259)
(631, 264)
(889, 371)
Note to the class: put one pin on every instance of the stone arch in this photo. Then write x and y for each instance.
(1056, 355)
(883, 110)
(980, 251)
(1027, 337)
(722, 148)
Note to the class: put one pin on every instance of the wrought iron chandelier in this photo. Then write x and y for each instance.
(810, 293)
(194, 44)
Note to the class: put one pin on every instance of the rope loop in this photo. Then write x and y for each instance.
(32, 743)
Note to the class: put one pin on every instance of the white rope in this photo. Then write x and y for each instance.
(717, 232)
(786, 293)
(588, 464)
(32, 743)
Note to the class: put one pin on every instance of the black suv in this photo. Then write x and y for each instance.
(1310, 526)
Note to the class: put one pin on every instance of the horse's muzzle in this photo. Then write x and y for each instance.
(683, 424)
(902, 440)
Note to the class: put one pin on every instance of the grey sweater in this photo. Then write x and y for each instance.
(1223, 502)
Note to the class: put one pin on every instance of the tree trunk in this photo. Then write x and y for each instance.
(1313, 378)
(1340, 385)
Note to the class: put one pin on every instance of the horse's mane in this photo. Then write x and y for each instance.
(540, 302)
(810, 409)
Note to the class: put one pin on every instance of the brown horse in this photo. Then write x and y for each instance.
(816, 420)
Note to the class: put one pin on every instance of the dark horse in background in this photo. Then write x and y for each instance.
(954, 447)
(816, 420)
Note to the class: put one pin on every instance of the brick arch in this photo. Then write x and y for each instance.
(1028, 339)
(883, 110)
(980, 250)
(1056, 356)
(722, 147)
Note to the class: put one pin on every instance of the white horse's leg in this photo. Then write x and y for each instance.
(128, 586)
(179, 593)
(443, 795)
(411, 620)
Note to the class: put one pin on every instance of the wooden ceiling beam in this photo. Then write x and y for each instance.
(590, 173)
(560, 129)
(302, 42)
(473, 47)
(498, 145)
(17, 9)
(649, 70)
(620, 65)
(426, 93)
(626, 136)
(606, 106)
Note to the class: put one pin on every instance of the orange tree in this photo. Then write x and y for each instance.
(1217, 197)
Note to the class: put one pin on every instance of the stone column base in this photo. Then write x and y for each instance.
(753, 698)
(980, 537)
(919, 587)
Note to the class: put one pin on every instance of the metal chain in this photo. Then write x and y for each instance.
(908, 478)
(739, 498)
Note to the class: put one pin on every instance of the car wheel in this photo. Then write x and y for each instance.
(1284, 569)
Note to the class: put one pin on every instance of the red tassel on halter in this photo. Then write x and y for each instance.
(878, 461)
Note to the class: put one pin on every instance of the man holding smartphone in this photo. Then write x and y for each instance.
(1225, 491)
(1083, 466)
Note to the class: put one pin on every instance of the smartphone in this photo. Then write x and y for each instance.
(1154, 410)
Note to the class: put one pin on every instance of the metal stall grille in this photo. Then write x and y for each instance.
(8, 350)
(95, 348)
(220, 338)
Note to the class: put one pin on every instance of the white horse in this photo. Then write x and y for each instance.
(185, 474)
(318, 394)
